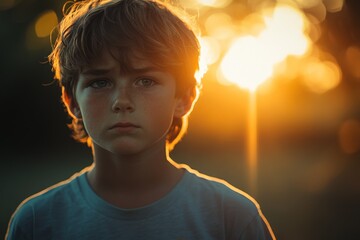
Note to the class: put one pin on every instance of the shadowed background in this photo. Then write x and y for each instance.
(308, 135)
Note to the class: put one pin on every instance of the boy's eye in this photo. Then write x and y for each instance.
(101, 83)
(145, 82)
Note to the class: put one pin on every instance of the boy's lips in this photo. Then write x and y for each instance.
(124, 125)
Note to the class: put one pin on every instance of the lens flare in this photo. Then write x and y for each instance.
(251, 59)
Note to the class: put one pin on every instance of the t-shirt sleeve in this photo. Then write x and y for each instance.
(244, 219)
(258, 229)
(21, 223)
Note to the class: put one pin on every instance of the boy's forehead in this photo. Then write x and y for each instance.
(111, 60)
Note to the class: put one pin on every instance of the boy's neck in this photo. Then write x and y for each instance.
(133, 181)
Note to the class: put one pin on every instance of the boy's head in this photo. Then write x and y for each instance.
(126, 28)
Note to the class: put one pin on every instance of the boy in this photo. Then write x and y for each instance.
(126, 69)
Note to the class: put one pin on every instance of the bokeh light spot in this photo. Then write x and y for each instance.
(334, 5)
(215, 3)
(320, 77)
(45, 23)
(219, 25)
(318, 12)
(307, 3)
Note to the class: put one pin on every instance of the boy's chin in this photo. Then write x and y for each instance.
(128, 149)
(125, 150)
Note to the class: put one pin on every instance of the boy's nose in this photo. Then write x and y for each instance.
(122, 101)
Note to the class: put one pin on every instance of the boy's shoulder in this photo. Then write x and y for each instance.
(240, 214)
(53, 192)
(42, 206)
(64, 191)
(223, 193)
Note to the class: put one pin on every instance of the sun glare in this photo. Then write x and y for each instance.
(215, 3)
(251, 60)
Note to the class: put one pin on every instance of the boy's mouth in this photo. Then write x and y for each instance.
(124, 125)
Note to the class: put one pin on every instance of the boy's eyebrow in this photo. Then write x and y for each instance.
(145, 69)
(100, 71)
(92, 71)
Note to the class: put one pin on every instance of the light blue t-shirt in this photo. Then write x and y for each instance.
(197, 208)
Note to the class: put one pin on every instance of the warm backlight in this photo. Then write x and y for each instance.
(251, 60)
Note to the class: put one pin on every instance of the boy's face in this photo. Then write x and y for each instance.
(126, 113)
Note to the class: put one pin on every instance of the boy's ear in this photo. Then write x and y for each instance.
(71, 105)
(185, 103)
